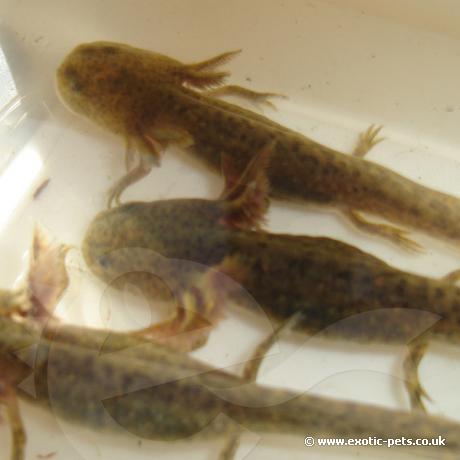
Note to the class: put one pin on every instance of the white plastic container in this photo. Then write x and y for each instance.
(343, 65)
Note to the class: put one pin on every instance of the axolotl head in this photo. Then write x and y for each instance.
(112, 84)
(166, 240)
(86, 77)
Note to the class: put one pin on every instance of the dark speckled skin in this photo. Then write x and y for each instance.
(90, 376)
(327, 280)
(129, 91)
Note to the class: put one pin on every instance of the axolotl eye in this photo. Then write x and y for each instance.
(104, 261)
(74, 79)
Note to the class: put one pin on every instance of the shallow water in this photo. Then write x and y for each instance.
(342, 68)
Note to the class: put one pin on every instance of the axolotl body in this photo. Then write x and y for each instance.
(341, 291)
(153, 101)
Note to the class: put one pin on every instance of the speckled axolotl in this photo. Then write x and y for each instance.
(182, 242)
(109, 380)
(153, 101)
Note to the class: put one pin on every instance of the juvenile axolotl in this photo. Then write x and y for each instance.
(108, 380)
(153, 101)
(183, 242)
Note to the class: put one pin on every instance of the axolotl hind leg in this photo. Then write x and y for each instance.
(417, 393)
(394, 234)
(250, 372)
(252, 366)
(366, 141)
(416, 352)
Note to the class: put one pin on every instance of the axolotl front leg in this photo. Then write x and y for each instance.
(201, 303)
(46, 282)
(143, 150)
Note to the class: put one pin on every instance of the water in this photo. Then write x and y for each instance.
(342, 68)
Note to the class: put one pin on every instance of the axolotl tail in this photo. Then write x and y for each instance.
(304, 171)
(408, 203)
(315, 419)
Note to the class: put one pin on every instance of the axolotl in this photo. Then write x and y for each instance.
(118, 381)
(153, 101)
(184, 242)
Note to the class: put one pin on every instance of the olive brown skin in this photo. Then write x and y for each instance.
(327, 280)
(94, 377)
(340, 291)
(152, 101)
